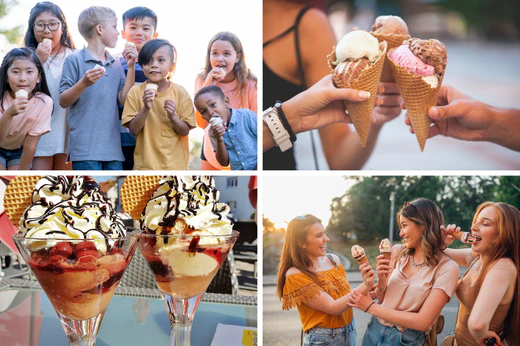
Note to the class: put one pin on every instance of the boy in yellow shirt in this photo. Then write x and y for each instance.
(159, 112)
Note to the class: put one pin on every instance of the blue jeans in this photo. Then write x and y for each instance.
(380, 335)
(10, 157)
(345, 336)
(97, 165)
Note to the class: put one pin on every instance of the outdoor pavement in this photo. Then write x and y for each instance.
(284, 327)
(489, 72)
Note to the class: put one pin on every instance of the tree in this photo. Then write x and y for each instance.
(13, 35)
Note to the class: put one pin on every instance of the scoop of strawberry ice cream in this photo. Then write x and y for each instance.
(404, 57)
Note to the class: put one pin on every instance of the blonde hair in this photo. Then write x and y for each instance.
(505, 245)
(92, 16)
(293, 255)
(427, 214)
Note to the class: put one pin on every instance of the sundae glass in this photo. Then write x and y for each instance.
(75, 244)
(186, 236)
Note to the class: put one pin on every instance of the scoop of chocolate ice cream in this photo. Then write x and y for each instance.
(431, 52)
(349, 70)
(390, 25)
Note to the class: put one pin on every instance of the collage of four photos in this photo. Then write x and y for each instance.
(378, 203)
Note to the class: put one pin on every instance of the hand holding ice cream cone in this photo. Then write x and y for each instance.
(150, 91)
(356, 62)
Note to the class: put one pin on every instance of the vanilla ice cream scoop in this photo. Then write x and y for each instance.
(47, 41)
(220, 72)
(129, 44)
(357, 44)
(21, 94)
(215, 121)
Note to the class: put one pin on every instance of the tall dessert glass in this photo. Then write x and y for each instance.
(183, 267)
(78, 282)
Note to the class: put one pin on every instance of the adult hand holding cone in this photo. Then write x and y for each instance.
(356, 62)
(418, 67)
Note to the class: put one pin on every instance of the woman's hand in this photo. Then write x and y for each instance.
(447, 234)
(359, 301)
(368, 276)
(321, 105)
(490, 334)
(383, 270)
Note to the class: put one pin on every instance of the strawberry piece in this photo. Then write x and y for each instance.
(63, 249)
(85, 248)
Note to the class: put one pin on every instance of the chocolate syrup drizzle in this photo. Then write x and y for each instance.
(201, 193)
(75, 195)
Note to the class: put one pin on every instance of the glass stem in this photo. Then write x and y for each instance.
(180, 334)
(81, 332)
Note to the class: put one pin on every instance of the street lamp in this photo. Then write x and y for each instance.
(392, 209)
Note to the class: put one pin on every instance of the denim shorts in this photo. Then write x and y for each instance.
(345, 336)
(97, 165)
(10, 157)
(380, 335)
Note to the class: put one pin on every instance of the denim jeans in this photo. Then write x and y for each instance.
(10, 157)
(380, 335)
(97, 165)
(345, 336)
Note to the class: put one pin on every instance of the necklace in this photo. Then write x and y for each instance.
(420, 265)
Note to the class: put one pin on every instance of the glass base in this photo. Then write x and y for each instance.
(81, 332)
(181, 312)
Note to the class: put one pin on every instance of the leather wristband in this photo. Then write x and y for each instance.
(285, 122)
(280, 135)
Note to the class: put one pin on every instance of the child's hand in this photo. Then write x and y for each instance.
(216, 74)
(44, 50)
(92, 76)
(170, 107)
(17, 107)
(218, 132)
(148, 97)
(130, 54)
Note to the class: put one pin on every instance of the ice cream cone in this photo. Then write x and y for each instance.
(418, 97)
(393, 41)
(385, 248)
(22, 93)
(361, 112)
(461, 236)
(362, 259)
(18, 196)
(359, 254)
(135, 193)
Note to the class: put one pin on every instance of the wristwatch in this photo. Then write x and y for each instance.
(280, 135)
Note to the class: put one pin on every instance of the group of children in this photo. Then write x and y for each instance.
(101, 112)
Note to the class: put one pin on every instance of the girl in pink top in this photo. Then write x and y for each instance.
(489, 291)
(414, 285)
(25, 108)
(226, 68)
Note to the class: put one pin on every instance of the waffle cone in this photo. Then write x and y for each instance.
(393, 41)
(418, 96)
(387, 255)
(18, 196)
(361, 112)
(136, 191)
(361, 260)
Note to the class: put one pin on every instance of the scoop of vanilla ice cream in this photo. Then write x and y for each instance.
(357, 44)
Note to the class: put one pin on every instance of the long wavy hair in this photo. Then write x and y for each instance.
(505, 245)
(293, 254)
(242, 73)
(42, 7)
(24, 54)
(427, 214)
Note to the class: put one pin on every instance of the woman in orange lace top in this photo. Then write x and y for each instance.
(316, 284)
(489, 292)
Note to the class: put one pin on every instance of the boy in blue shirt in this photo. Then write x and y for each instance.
(139, 27)
(92, 84)
(234, 134)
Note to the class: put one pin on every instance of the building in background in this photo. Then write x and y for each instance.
(235, 192)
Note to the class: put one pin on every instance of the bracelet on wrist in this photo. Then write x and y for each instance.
(382, 289)
(285, 122)
(369, 306)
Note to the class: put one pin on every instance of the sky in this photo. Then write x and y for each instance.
(188, 25)
(285, 197)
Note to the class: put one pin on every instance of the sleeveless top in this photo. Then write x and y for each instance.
(467, 295)
(299, 289)
(277, 88)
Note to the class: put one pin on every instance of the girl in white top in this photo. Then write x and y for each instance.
(48, 34)
(414, 285)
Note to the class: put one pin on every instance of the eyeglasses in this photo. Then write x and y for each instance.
(40, 27)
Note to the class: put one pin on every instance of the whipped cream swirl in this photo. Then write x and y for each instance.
(70, 208)
(186, 205)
